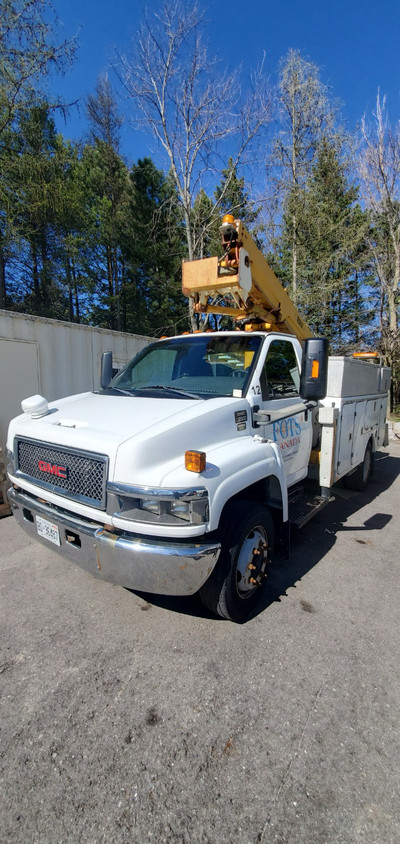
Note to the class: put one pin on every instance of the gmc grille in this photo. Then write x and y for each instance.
(84, 478)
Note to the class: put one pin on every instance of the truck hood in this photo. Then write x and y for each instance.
(143, 437)
(100, 422)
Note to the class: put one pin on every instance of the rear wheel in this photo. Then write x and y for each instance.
(359, 479)
(247, 537)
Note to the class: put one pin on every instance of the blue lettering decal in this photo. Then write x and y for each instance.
(284, 428)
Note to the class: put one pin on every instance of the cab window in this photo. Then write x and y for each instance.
(281, 374)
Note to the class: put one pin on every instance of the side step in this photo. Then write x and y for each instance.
(303, 508)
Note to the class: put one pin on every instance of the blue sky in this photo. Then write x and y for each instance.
(355, 43)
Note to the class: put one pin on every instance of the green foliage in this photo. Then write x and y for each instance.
(233, 198)
(230, 197)
(106, 191)
(332, 259)
(153, 248)
(28, 52)
(204, 225)
(35, 181)
(95, 243)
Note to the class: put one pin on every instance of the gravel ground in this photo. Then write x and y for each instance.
(129, 718)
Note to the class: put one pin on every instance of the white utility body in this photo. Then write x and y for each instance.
(176, 476)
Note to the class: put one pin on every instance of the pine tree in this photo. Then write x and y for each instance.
(9, 162)
(232, 197)
(107, 180)
(39, 196)
(204, 225)
(306, 114)
(74, 232)
(153, 248)
(332, 259)
(28, 52)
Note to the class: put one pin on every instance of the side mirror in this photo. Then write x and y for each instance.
(314, 369)
(106, 371)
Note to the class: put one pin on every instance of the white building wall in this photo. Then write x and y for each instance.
(54, 359)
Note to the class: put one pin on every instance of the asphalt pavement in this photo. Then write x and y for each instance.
(131, 718)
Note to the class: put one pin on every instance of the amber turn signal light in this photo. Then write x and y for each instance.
(315, 369)
(195, 461)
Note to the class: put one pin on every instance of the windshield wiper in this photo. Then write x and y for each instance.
(118, 390)
(168, 389)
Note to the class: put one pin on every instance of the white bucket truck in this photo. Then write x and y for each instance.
(178, 474)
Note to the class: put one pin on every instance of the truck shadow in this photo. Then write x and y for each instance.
(310, 544)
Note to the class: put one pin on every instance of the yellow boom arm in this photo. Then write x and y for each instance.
(245, 286)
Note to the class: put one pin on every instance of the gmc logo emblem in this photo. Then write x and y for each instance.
(53, 469)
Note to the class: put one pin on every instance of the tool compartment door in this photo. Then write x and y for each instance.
(352, 432)
(345, 446)
(358, 441)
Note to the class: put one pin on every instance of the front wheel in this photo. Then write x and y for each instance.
(247, 538)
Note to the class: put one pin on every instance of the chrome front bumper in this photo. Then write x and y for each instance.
(146, 565)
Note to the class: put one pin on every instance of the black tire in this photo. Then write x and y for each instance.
(247, 539)
(360, 479)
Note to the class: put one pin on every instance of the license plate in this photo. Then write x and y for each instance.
(48, 530)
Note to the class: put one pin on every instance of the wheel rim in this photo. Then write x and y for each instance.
(252, 561)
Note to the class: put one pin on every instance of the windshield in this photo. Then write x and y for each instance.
(191, 367)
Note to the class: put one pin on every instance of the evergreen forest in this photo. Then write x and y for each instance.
(89, 236)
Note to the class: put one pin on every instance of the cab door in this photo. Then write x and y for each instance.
(279, 384)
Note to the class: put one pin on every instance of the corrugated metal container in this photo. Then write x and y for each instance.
(354, 377)
(54, 359)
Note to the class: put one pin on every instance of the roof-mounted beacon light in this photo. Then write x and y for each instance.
(228, 227)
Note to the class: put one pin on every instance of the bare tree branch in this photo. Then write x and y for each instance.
(379, 169)
(191, 106)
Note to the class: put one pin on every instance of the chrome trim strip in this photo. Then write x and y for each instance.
(150, 492)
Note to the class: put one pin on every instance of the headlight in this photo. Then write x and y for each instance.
(181, 509)
(158, 506)
(151, 506)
